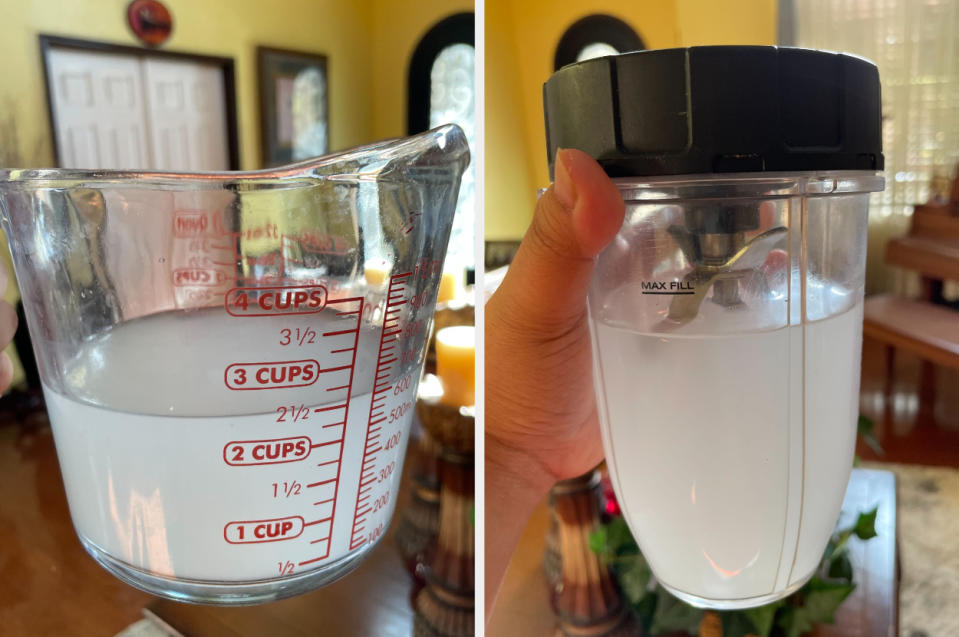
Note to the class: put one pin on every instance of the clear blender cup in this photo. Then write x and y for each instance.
(230, 360)
(726, 315)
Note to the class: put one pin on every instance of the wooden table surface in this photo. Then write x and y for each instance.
(50, 586)
(523, 609)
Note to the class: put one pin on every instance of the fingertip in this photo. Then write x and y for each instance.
(563, 186)
(599, 208)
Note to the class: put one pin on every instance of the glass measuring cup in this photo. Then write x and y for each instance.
(230, 360)
(726, 314)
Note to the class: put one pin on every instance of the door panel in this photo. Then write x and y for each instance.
(187, 106)
(137, 112)
(98, 109)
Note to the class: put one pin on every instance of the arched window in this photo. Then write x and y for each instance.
(595, 36)
(441, 91)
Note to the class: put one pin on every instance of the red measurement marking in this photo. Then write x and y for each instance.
(189, 223)
(395, 295)
(272, 301)
(297, 336)
(331, 408)
(286, 489)
(318, 522)
(239, 453)
(198, 276)
(294, 413)
(271, 375)
(335, 369)
(346, 411)
(260, 531)
(411, 222)
(339, 332)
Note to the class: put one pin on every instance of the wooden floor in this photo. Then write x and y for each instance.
(910, 430)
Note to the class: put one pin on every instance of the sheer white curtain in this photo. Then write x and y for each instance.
(915, 43)
(452, 101)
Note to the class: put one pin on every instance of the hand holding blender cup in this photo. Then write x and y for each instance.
(722, 326)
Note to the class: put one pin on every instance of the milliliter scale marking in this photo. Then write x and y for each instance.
(387, 357)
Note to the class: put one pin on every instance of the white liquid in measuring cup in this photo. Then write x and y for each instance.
(730, 454)
(205, 447)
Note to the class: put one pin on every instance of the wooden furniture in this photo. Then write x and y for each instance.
(872, 610)
(931, 331)
(924, 327)
(50, 586)
(931, 247)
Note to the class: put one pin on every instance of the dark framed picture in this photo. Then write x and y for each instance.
(294, 105)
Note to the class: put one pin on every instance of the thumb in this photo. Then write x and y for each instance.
(575, 219)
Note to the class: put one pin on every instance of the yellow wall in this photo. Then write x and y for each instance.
(521, 40)
(397, 28)
(229, 28)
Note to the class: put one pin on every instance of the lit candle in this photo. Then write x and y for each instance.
(376, 273)
(448, 287)
(455, 364)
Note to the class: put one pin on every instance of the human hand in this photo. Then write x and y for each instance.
(540, 411)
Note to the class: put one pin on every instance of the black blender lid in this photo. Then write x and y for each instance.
(718, 109)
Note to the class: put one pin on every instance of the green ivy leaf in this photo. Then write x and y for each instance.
(866, 525)
(840, 567)
(597, 540)
(763, 617)
(794, 621)
(633, 574)
(646, 609)
(736, 624)
(673, 615)
(865, 427)
(619, 539)
(823, 598)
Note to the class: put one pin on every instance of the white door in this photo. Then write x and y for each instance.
(98, 110)
(128, 112)
(187, 108)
